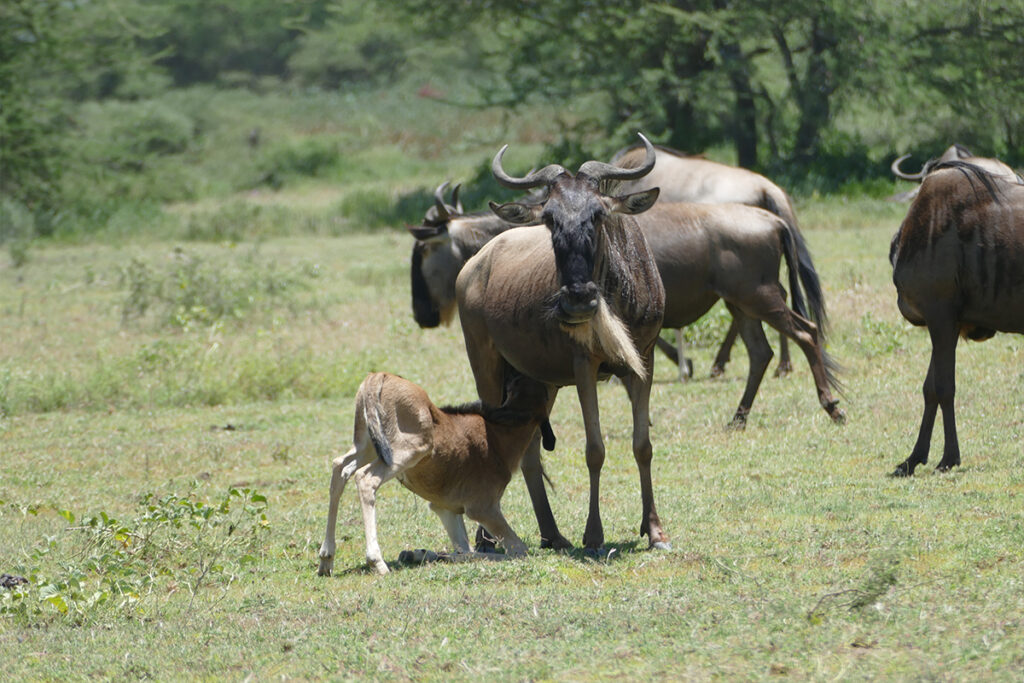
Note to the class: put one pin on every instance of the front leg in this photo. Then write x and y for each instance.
(585, 371)
(639, 396)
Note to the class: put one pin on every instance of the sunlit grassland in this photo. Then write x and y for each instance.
(793, 553)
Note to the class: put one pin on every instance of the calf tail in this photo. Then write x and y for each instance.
(374, 415)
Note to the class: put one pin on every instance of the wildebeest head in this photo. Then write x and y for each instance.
(955, 152)
(434, 262)
(576, 213)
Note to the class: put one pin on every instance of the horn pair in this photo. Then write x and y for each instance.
(598, 170)
(443, 213)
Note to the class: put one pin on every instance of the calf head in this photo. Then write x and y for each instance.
(576, 212)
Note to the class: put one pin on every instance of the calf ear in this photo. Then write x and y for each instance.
(638, 202)
(516, 213)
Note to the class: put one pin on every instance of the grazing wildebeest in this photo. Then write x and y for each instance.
(955, 152)
(684, 178)
(568, 302)
(460, 459)
(957, 261)
(704, 252)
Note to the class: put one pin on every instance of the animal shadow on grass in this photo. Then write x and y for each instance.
(609, 553)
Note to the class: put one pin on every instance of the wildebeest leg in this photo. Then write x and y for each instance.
(489, 372)
(585, 374)
(805, 334)
(455, 526)
(919, 455)
(676, 354)
(640, 397)
(343, 467)
(939, 390)
(785, 365)
(760, 354)
(725, 350)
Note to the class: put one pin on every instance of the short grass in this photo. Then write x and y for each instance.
(794, 555)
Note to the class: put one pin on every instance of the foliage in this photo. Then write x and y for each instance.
(99, 564)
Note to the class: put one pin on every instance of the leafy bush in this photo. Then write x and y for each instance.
(310, 157)
(100, 564)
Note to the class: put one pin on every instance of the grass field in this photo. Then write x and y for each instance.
(218, 377)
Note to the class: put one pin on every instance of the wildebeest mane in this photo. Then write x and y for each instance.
(987, 180)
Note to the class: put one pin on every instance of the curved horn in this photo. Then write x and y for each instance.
(531, 179)
(455, 199)
(598, 170)
(442, 210)
(895, 168)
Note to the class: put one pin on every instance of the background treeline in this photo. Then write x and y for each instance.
(120, 101)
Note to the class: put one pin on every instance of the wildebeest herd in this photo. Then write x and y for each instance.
(573, 284)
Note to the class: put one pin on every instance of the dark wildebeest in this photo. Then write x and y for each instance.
(684, 178)
(459, 459)
(957, 262)
(704, 252)
(568, 302)
(955, 152)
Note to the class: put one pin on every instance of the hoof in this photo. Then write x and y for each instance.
(559, 542)
(904, 469)
(685, 370)
(661, 545)
(717, 371)
(738, 424)
(944, 466)
(838, 416)
(784, 370)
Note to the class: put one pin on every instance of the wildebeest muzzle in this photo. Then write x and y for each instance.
(577, 303)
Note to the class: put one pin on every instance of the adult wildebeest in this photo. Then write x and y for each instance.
(704, 252)
(684, 178)
(565, 303)
(460, 459)
(957, 260)
(955, 152)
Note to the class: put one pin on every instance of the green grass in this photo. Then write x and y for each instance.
(794, 554)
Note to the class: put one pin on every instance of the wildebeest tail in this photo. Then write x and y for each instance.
(814, 308)
(374, 415)
(805, 265)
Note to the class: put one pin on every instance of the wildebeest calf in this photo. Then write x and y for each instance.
(460, 459)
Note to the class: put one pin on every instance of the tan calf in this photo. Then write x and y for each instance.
(460, 459)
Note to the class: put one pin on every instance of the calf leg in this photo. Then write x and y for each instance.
(455, 526)
(492, 518)
(639, 396)
(368, 479)
(342, 469)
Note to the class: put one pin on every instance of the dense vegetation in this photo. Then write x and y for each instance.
(114, 109)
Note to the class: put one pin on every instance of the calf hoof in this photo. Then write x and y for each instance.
(326, 566)
(661, 545)
(685, 370)
(559, 542)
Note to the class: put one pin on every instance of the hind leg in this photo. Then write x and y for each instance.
(938, 390)
(772, 309)
(342, 469)
(369, 478)
(760, 354)
(725, 350)
(785, 366)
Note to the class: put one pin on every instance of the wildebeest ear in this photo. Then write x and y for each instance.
(428, 232)
(638, 202)
(516, 213)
